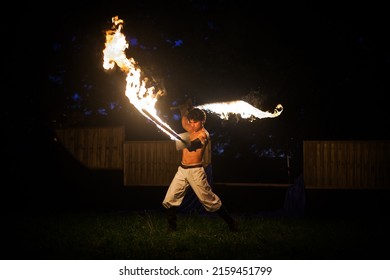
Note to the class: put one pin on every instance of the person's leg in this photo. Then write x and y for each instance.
(172, 218)
(198, 181)
(211, 202)
(224, 214)
(174, 197)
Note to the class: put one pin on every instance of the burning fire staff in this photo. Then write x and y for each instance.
(191, 172)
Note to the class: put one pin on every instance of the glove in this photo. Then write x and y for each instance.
(194, 145)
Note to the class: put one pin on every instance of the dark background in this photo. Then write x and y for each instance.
(327, 63)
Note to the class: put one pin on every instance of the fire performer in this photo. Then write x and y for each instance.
(191, 171)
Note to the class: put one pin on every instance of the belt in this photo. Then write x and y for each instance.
(191, 166)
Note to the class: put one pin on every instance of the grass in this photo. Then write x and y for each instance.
(114, 235)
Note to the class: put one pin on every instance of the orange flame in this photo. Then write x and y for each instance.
(242, 108)
(142, 97)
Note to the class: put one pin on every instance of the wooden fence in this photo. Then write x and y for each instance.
(153, 163)
(326, 164)
(146, 163)
(346, 164)
(95, 147)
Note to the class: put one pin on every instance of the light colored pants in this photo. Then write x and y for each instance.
(197, 179)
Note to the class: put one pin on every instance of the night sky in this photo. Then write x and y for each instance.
(326, 63)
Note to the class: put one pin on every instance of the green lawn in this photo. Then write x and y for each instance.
(142, 235)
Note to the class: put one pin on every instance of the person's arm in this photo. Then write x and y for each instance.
(184, 109)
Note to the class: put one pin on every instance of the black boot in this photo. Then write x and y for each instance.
(224, 214)
(171, 216)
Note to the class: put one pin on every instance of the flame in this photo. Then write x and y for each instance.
(240, 107)
(142, 97)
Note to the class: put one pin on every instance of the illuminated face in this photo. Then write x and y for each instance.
(195, 125)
